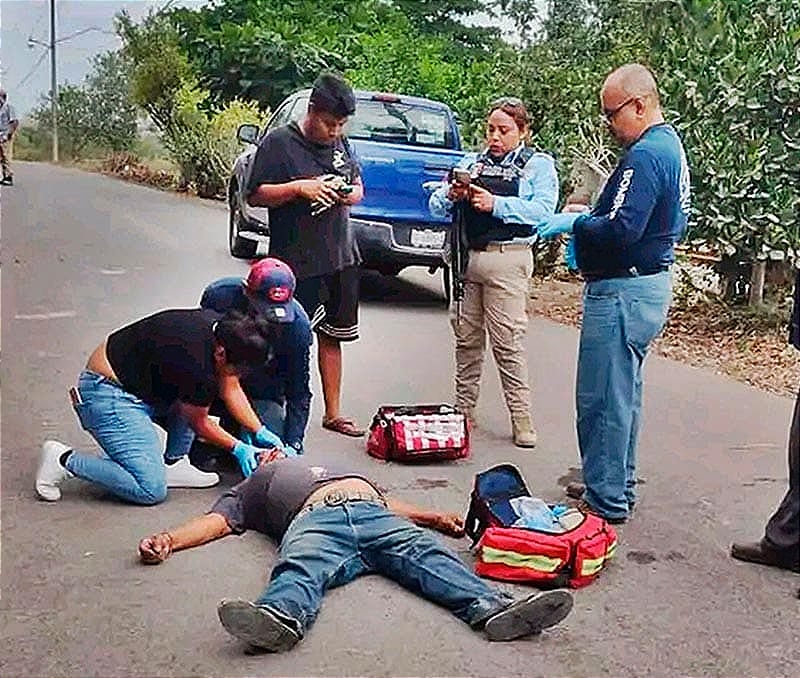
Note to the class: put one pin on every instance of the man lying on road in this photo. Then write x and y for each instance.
(334, 525)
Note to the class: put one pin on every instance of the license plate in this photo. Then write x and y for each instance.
(427, 238)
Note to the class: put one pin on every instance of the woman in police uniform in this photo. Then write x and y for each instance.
(510, 189)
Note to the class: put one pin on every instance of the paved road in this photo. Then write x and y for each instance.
(84, 254)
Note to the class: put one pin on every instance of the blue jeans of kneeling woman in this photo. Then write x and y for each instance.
(329, 546)
(132, 467)
(621, 317)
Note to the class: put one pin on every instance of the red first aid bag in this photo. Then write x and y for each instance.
(416, 433)
(572, 558)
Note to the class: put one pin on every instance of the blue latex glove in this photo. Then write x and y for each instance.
(569, 256)
(247, 456)
(266, 438)
(557, 224)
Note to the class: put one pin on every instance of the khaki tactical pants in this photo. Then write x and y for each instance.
(495, 301)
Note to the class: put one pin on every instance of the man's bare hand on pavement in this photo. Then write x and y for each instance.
(155, 549)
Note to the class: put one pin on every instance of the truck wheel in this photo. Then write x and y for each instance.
(241, 248)
(389, 270)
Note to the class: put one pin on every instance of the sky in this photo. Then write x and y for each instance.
(25, 71)
(24, 76)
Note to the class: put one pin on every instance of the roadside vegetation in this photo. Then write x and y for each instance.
(165, 108)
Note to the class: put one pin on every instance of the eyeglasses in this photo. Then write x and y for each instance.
(607, 116)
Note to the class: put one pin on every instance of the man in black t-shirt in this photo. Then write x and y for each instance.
(167, 369)
(308, 178)
(333, 526)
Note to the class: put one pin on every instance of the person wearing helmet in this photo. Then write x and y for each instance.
(279, 392)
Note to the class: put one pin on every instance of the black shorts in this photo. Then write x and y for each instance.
(331, 302)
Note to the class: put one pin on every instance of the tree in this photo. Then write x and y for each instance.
(98, 114)
(196, 133)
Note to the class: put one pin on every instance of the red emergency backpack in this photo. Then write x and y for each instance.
(572, 558)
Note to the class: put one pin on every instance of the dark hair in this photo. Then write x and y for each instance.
(332, 94)
(515, 108)
(242, 337)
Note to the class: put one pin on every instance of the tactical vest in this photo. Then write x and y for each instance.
(503, 180)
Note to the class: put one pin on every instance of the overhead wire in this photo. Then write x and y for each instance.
(30, 73)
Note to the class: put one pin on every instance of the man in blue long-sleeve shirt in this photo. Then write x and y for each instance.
(624, 248)
(280, 392)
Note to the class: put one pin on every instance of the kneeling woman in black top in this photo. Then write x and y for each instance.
(166, 369)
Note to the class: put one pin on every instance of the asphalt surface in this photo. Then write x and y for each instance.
(84, 254)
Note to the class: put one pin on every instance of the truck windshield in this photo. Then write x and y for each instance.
(400, 123)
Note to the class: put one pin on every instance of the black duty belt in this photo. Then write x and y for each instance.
(632, 272)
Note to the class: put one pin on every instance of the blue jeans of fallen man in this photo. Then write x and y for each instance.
(621, 317)
(132, 467)
(330, 546)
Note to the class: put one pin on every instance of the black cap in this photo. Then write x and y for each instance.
(332, 94)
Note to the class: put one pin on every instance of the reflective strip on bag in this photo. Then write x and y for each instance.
(591, 566)
(513, 559)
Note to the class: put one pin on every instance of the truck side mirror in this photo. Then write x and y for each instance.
(247, 133)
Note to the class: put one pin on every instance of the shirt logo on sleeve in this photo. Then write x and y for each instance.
(622, 191)
(685, 184)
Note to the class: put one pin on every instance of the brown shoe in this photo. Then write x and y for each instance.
(344, 426)
(754, 552)
(585, 507)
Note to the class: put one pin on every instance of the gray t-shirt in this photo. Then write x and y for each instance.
(269, 499)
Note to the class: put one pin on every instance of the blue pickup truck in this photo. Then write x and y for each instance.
(405, 145)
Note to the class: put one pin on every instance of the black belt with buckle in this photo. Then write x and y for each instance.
(632, 272)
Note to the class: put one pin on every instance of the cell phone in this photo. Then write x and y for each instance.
(75, 396)
(462, 176)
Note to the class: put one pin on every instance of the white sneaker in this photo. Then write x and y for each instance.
(183, 474)
(50, 472)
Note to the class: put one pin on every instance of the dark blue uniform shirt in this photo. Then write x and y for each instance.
(642, 211)
(285, 379)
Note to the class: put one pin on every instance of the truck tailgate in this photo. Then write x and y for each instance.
(394, 176)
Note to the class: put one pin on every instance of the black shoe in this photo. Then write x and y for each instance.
(258, 626)
(211, 459)
(755, 552)
(529, 616)
(7, 181)
(575, 490)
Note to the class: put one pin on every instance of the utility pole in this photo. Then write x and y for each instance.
(53, 79)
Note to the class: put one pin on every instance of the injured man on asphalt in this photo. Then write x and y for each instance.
(323, 518)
